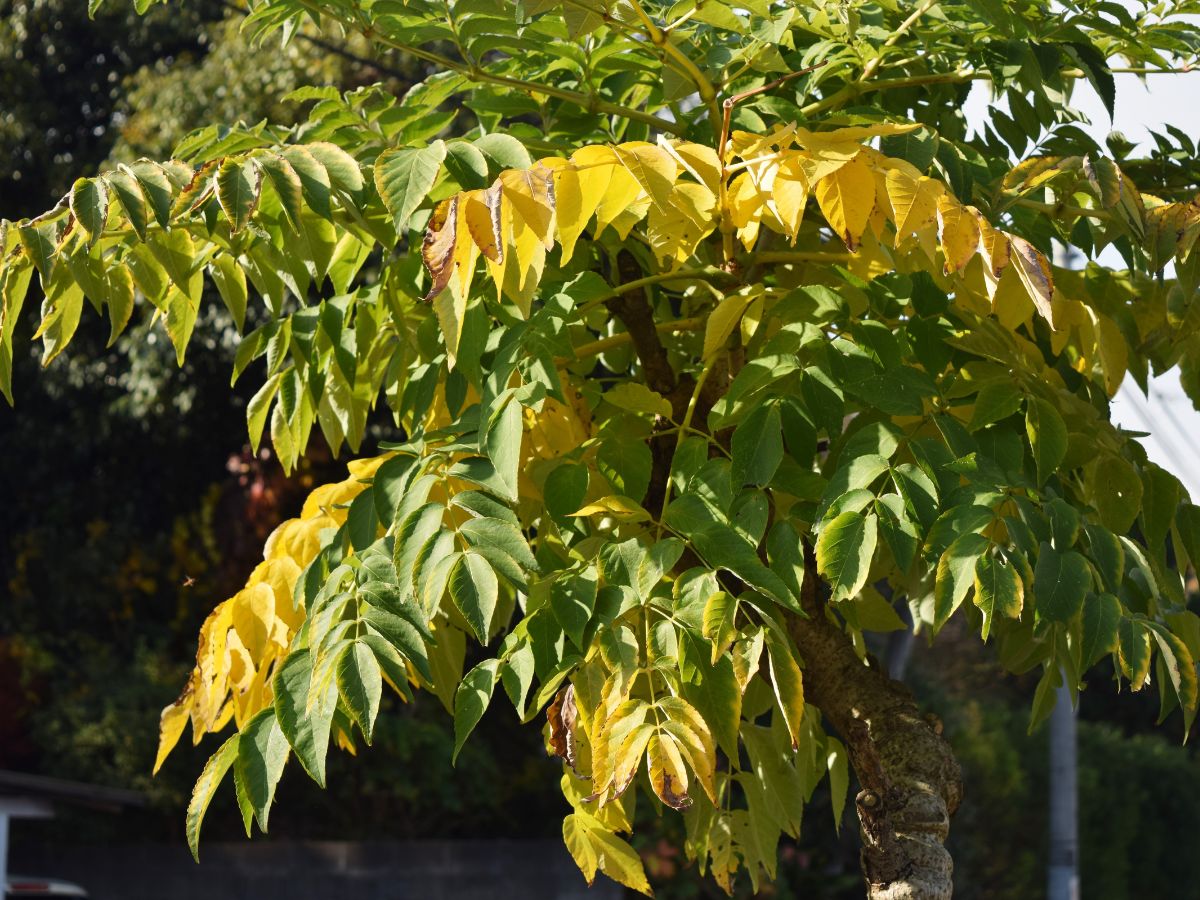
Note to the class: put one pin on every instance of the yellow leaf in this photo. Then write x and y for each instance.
(616, 506)
(695, 740)
(790, 193)
(575, 836)
(667, 774)
(701, 162)
(1034, 271)
(589, 841)
(674, 232)
(531, 192)
(171, 724)
(254, 617)
(788, 684)
(652, 167)
(1010, 300)
(622, 188)
(960, 233)
(914, 203)
(746, 204)
(1112, 350)
(636, 397)
(994, 246)
(577, 193)
(723, 319)
(858, 133)
(847, 197)
(481, 214)
(614, 739)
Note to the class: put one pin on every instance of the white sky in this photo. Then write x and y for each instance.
(1167, 413)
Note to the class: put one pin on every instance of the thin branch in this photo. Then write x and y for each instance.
(700, 273)
(873, 66)
(595, 348)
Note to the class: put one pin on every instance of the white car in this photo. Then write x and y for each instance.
(20, 887)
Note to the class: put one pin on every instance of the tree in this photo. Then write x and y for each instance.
(763, 344)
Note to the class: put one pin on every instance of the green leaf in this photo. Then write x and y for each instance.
(467, 165)
(714, 691)
(503, 151)
(230, 280)
(1047, 436)
(503, 545)
(314, 179)
(238, 187)
(133, 201)
(89, 206)
(1133, 651)
(1101, 617)
(206, 787)
(955, 575)
(1061, 580)
(502, 443)
(305, 727)
(345, 174)
(475, 591)
(626, 462)
(565, 490)
(1116, 493)
(60, 319)
(844, 552)
(262, 752)
(919, 492)
(1107, 553)
(635, 397)
(1181, 671)
(471, 700)
(572, 600)
(1160, 497)
(720, 612)
(156, 188)
(404, 177)
(837, 761)
(517, 676)
(995, 401)
(360, 685)
(402, 635)
(258, 407)
(757, 446)
(998, 590)
(287, 185)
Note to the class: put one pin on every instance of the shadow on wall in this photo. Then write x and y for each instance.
(321, 870)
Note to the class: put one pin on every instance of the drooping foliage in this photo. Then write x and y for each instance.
(712, 319)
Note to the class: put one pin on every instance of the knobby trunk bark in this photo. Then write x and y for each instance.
(911, 782)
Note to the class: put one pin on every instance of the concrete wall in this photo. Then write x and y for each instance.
(421, 870)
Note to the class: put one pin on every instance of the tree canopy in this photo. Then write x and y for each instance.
(709, 334)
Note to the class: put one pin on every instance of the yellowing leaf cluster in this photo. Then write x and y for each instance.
(246, 636)
(881, 207)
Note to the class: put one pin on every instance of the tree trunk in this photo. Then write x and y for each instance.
(910, 780)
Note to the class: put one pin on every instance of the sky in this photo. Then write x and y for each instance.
(1166, 412)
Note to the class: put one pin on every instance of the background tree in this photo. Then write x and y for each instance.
(657, 461)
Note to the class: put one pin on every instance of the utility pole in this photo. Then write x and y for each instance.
(1062, 877)
(1062, 881)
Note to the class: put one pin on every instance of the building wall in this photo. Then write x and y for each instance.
(421, 870)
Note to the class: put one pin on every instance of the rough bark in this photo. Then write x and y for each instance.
(911, 783)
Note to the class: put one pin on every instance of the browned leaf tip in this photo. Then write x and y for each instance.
(437, 250)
